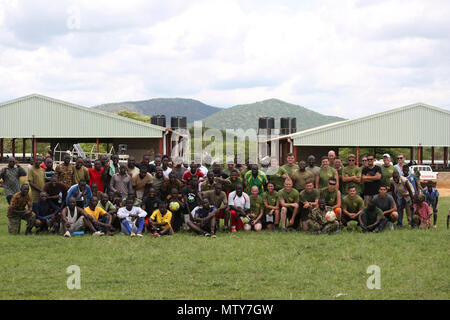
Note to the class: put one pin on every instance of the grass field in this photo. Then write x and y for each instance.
(414, 265)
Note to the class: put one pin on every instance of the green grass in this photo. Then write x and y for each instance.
(414, 265)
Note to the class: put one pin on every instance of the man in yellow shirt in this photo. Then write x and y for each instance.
(160, 221)
(100, 219)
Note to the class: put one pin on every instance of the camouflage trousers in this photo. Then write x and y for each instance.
(325, 228)
(15, 218)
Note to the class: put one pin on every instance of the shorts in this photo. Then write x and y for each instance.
(290, 213)
(268, 219)
(253, 226)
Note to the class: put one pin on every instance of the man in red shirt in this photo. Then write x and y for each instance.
(193, 171)
(95, 175)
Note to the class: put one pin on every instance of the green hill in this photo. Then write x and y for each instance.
(246, 115)
(170, 107)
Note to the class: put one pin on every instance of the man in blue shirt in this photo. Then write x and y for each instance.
(46, 213)
(81, 192)
(204, 220)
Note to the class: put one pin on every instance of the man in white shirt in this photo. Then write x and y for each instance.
(129, 215)
(165, 166)
(239, 207)
(401, 162)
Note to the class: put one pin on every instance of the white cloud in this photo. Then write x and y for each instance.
(347, 58)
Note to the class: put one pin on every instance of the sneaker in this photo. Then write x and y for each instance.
(213, 235)
(233, 229)
(133, 234)
(434, 226)
(139, 234)
(391, 225)
(206, 234)
(156, 235)
(67, 234)
(283, 230)
(98, 233)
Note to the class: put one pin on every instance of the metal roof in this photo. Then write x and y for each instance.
(409, 126)
(44, 117)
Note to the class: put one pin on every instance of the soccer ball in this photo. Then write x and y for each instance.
(174, 206)
(330, 216)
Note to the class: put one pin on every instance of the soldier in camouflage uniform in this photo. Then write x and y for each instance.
(17, 212)
(317, 223)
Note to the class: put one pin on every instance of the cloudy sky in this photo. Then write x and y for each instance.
(346, 58)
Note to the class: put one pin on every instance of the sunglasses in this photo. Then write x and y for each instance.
(399, 158)
(371, 159)
(364, 159)
(351, 160)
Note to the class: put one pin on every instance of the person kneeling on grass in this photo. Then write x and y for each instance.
(352, 207)
(129, 216)
(370, 218)
(160, 221)
(16, 211)
(73, 219)
(317, 222)
(422, 212)
(256, 211)
(204, 219)
(99, 218)
(239, 206)
(46, 214)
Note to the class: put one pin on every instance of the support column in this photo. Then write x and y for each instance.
(1, 149)
(357, 156)
(13, 147)
(295, 153)
(34, 147)
(411, 154)
(97, 142)
(419, 159)
(24, 148)
(421, 155)
(161, 146)
(432, 156)
(445, 156)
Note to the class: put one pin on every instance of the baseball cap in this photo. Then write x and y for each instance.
(386, 155)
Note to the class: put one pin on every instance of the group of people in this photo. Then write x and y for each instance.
(162, 196)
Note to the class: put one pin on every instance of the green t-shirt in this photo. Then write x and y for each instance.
(330, 197)
(291, 197)
(351, 172)
(386, 175)
(309, 197)
(324, 175)
(289, 170)
(277, 180)
(340, 178)
(373, 215)
(352, 205)
(300, 178)
(108, 207)
(271, 199)
(256, 205)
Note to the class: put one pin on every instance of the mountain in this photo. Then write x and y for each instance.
(170, 107)
(246, 116)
